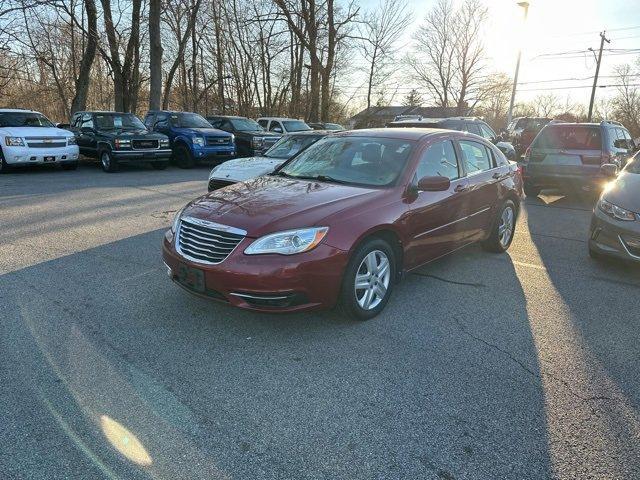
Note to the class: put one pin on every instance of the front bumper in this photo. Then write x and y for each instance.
(141, 155)
(38, 156)
(267, 283)
(616, 238)
(214, 153)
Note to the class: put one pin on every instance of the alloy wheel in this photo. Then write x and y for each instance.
(505, 230)
(372, 279)
(106, 160)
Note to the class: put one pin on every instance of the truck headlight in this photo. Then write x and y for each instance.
(164, 143)
(14, 142)
(233, 138)
(198, 141)
(256, 142)
(288, 242)
(71, 141)
(122, 143)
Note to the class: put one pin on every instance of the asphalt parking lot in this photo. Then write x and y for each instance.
(482, 366)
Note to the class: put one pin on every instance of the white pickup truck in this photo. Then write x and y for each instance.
(29, 138)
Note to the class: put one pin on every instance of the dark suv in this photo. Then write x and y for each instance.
(193, 139)
(251, 139)
(463, 124)
(522, 130)
(115, 138)
(571, 155)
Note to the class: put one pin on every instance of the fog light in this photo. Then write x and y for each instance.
(632, 242)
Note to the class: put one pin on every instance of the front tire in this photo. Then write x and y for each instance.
(183, 157)
(368, 280)
(502, 229)
(109, 164)
(4, 166)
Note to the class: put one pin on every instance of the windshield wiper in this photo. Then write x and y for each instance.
(321, 178)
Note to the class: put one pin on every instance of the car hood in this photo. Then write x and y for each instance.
(241, 169)
(203, 131)
(34, 132)
(625, 192)
(270, 204)
(258, 133)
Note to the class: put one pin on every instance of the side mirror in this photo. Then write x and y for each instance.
(277, 130)
(63, 126)
(434, 184)
(609, 170)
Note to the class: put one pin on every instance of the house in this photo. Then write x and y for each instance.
(380, 116)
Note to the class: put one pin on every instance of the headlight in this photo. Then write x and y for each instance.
(176, 220)
(289, 242)
(164, 142)
(256, 142)
(122, 143)
(233, 138)
(14, 142)
(71, 141)
(198, 141)
(615, 211)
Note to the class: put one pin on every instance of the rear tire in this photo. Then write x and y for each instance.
(109, 164)
(70, 166)
(183, 157)
(503, 229)
(4, 166)
(531, 191)
(373, 265)
(160, 165)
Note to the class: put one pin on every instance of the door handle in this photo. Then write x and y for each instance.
(461, 188)
(497, 176)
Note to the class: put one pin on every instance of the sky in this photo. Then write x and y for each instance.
(552, 26)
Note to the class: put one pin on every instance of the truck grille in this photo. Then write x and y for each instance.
(46, 142)
(214, 141)
(144, 144)
(269, 141)
(206, 242)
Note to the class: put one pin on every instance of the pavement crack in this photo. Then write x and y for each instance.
(446, 280)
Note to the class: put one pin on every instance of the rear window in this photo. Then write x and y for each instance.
(575, 137)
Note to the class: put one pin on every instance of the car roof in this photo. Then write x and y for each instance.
(307, 133)
(17, 110)
(225, 116)
(409, 133)
(104, 112)
(280, 118)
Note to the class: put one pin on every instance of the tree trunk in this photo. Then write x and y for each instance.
(155, 55)
(82, 81)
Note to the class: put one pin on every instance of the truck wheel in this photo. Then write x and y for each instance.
(4, 167)
(160, 165)
(109, 164)
(183, 157)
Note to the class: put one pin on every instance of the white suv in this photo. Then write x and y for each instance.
(29, 138)
(283, 125)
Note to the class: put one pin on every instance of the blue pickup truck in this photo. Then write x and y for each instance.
(193, 139)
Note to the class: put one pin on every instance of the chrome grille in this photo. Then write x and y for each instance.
(213, 141)
(269, 141)
(46, 142)
(144, 144)
(206, 242)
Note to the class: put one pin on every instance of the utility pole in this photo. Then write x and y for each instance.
(524, 5)
(595, 79)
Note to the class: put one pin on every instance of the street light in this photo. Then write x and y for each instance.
(524, 5)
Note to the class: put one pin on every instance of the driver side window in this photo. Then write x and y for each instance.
(439, 160)
(274, 125)
(87, 120)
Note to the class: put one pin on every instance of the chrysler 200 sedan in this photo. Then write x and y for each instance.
(340, 223)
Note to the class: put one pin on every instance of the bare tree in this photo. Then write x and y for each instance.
(626, 103)
(379, 32)
(155, 55)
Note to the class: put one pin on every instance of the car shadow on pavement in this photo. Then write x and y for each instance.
(589, 338)
(109, 369)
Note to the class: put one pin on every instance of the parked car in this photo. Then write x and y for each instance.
(615, 224)
(29, 138)
(283, 125)
(326, 126)
(568, 156)
(342, 221)
(115, 138)
(522, 131)
(251, 138)
(193, 140)
(473, 125)
(241, 169)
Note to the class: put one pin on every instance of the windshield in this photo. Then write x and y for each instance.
(333, 126)
(367, 161)
(189, 120)
(289, 145)
(295, 126)
(246, 125)
(24, 119)
(578, 137)
(124, 121)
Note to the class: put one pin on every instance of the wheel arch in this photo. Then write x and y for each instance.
(392, 237)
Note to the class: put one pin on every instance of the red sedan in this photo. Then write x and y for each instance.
(343, 221)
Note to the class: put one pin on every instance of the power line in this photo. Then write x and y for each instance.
(582, 86)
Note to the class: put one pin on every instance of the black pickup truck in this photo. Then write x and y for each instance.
(115, 138)
(251, 139)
